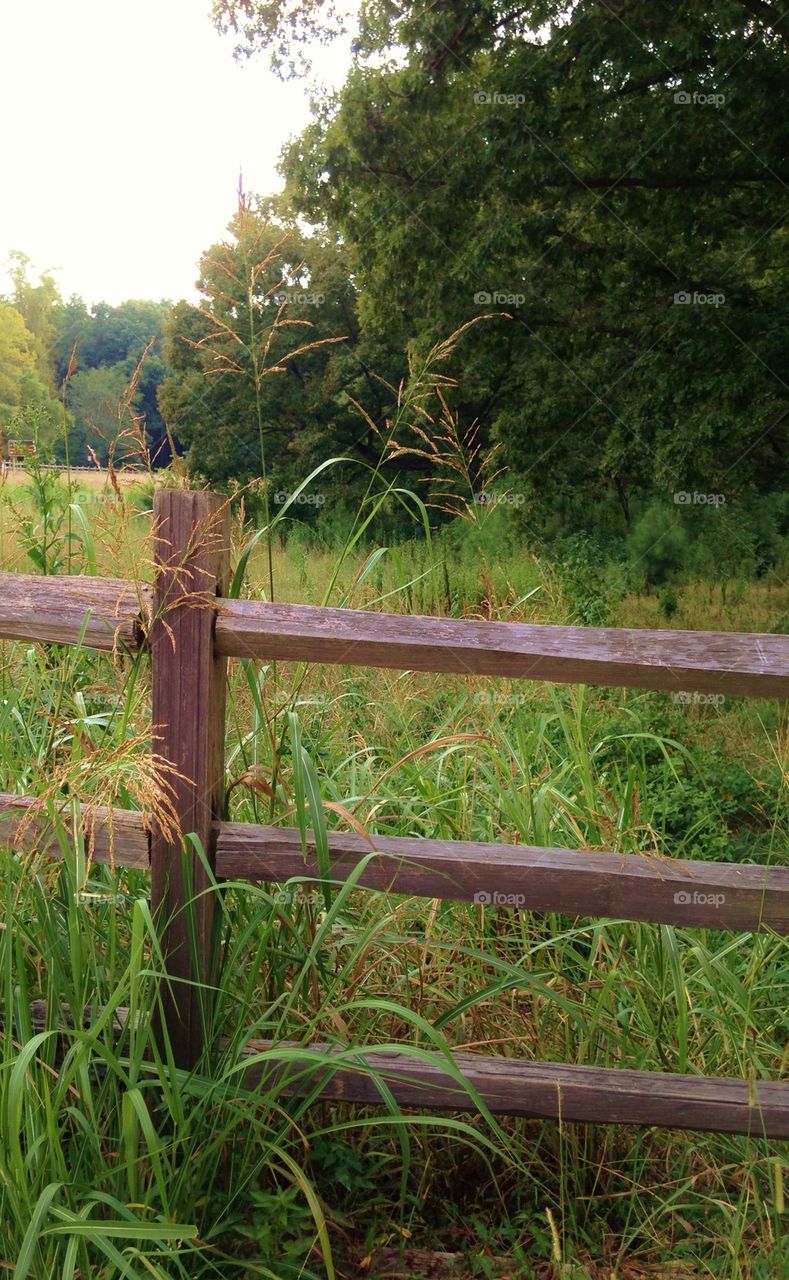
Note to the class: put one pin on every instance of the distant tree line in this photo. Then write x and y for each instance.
(77, 378)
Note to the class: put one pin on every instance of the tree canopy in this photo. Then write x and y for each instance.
(266, 370)
(610, 180)
(16, 356)
(108, 344)
(87, 372)
(27, 408)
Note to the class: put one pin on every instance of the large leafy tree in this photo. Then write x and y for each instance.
(27, 408)
(266, 369)
(611, 179)
(37, 303)
(101, 427)
(16, 356)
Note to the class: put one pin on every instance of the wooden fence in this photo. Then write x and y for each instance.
(192, 631)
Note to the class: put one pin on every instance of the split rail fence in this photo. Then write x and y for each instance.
(191, 632)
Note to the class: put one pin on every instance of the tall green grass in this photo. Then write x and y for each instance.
(113, 1163)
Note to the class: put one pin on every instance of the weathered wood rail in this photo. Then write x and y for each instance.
(543, 1090)
(114, 614)
(698, 661)
(99, 613)
(191, 631)
(576, 882)
(506, 1086)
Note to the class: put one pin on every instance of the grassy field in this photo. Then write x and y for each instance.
(112, 1164)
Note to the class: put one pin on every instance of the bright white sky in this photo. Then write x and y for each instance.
(124, 125)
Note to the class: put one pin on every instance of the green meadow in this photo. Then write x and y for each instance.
(113, 1164)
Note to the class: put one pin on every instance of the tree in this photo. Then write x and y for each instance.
(96, 400)
(27, 409)
(285, 29)
(37, 304)
(266, 369)
(611, 181)
(16, 357)
(118, 339)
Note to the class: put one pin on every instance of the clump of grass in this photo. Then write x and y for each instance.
(115, 1163)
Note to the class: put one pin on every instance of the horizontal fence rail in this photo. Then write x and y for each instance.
(191, 537)
(573, 882)
(576, 882)
(116, 613)
(100, 613)
(504, 1086)
(113, 836)
(548, 1090)
(701, 661)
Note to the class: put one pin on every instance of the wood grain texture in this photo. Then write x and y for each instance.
(569, 881)
(534, 1089)
(115, 836)
(56, 609)
(702, 661)
(191, 539)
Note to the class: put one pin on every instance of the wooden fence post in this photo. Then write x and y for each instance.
(192, 558)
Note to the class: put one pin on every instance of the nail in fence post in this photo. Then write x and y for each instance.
(192, 557)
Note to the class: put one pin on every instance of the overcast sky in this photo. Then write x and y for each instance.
(124, 126)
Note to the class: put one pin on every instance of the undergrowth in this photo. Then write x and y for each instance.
(113, 1163)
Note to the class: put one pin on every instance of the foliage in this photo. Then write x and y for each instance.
(194, 1175)
(70, 365)
(108, 345)
(96, 400)
(15, 357)
(586, 576)
(287, 28)
(51, 529)
(611, 185)
(266, 368)
(28, 410)
(36, 303)
(579, 195)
